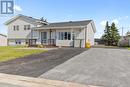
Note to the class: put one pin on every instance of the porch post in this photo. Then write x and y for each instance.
(73, 36)
(50, 36)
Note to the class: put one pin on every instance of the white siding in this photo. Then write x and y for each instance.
(24, 34)
(11, 42)
(63, 42)
(80, 35)
(90, 34)
(3, 40)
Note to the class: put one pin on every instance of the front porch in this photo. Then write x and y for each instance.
(67, 37)
(46, 43)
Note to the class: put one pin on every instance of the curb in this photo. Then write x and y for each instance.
(36, 82)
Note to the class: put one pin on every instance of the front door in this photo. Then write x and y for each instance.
(43, 37)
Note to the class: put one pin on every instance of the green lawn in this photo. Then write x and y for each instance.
(11, 52)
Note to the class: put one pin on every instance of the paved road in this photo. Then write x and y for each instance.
(97, 66)
(35, 65)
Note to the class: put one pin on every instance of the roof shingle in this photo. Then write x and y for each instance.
(67, 24)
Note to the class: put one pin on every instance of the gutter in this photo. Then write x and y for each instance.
(60, 27)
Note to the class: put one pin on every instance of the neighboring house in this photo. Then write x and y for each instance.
(125, 40)
(27, 30)
(3, 40)
(99, 41)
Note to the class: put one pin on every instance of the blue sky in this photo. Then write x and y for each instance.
(73, 10)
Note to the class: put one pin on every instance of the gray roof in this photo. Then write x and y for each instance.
(67, 24)
(26, 18)
(3, 35)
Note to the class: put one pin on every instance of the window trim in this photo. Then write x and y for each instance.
(16, 27)
(18, 42)
(27, 27)
(64, 35)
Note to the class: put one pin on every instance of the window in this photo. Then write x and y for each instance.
(26, 27)
(17, 42)
(69, 36)
(16, 28)
(64, 36)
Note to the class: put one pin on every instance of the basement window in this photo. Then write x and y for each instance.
(17, 42)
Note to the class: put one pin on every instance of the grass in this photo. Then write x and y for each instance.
(11, 52)
(128, 48)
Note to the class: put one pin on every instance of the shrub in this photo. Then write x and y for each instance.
(123, 43)
(40, 46)
(26, 45)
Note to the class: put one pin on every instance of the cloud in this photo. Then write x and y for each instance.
(116, 21)
(17, 8)
(103, 23)
(123, 18)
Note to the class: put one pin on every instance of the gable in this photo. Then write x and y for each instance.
(93, 26)
(19, 22)
(23, 18)
(2, 35)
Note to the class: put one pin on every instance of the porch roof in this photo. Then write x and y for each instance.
(70, 24)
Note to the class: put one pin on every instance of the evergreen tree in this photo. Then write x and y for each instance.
(114, 34)
(107, 34)
(111, 34)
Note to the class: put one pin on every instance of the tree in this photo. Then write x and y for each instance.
(114, 34)
(111, 35)
(107, 34)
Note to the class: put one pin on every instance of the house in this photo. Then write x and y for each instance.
(99, 41)
(28, 30)
(125, 40)
(3, 40)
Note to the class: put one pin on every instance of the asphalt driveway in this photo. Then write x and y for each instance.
(97, 66)
(36, 65)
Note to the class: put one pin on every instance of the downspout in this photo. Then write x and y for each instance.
(55, 38)
(32, 33)
(30, 38)
(73, 37)
(85, 34)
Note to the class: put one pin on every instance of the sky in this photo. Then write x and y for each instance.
(99, 11)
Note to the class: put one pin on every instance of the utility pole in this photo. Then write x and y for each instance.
(122, 31)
